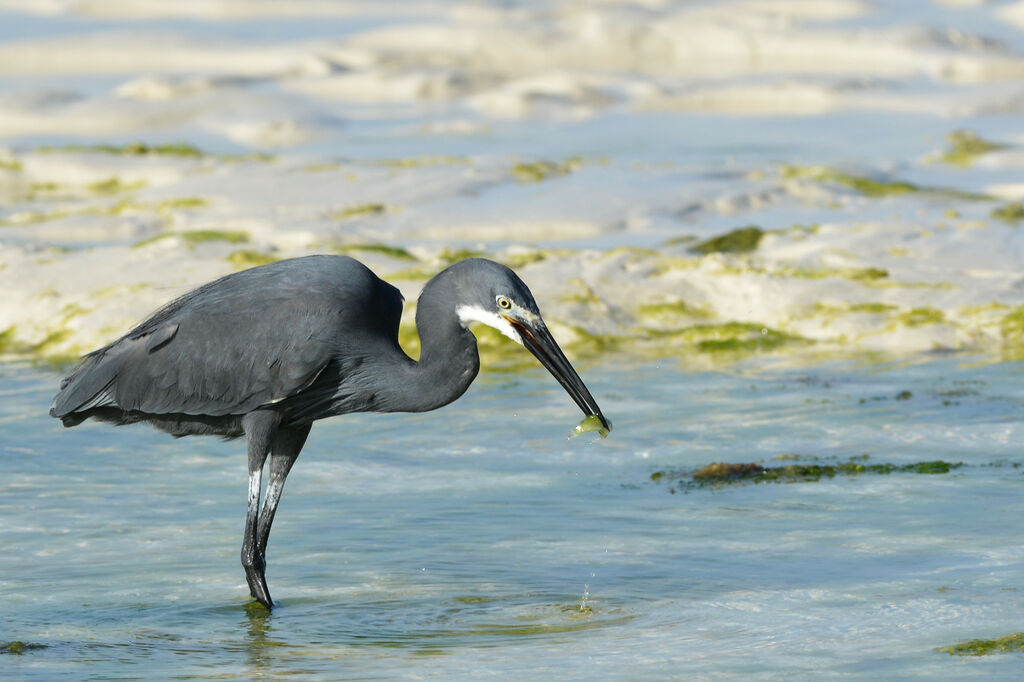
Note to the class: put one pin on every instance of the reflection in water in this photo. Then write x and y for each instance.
(259, 620)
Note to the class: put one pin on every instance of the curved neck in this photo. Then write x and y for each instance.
(449, 360)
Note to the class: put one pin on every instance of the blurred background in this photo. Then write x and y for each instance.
(840, 174)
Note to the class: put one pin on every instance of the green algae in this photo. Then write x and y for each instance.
(538, 171)
(114, 185)
(741, 240)
(723, 342)
(359, 210)
(193, 238)
(1012, 328)
(17, 647)
(164, 208)
(1011, 213)
(169, 149)
(730, 337)
(965, 146)
(452, 256)
(422, 161)
(873, 187)
(250, 258)
(26, 218)
(866, 275)
(179, 202)
(395, 252)
(871, 307)
(414, 274)
(10, 345)
(718, 474)
(868, 186)
(984, 647)
(917, 317)
(439, 262)
(869, 275)
(10, 165)
(587, 343)
(131, 149)
(521, 259)
(7, 341)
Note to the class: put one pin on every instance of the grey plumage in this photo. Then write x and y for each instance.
(265, 352)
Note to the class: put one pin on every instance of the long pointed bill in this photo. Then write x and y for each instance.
(538, 340)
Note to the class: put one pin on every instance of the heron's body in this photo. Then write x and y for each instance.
(265, 352)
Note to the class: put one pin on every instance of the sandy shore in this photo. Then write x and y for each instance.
(600, 148)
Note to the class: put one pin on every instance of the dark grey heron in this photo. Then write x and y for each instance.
(265, 352)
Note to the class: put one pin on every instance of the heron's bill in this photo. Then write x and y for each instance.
(538, 340)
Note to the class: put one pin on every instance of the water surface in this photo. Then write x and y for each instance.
(479, 540)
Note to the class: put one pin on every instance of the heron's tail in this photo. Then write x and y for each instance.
(88, 386)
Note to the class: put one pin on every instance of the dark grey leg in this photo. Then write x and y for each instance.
(284, 451)
(260, 428)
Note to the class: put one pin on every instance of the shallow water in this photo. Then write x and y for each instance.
(478, 541)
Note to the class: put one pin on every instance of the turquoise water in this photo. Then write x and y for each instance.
(478, 541)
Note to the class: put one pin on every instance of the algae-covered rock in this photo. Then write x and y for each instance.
(965, 146)
(984, 647)
(741, 240)
(18, 647)
(1011, 213)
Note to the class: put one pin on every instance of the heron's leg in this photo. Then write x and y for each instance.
(284, 450)
(259, 430)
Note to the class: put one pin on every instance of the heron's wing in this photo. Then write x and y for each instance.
(230, 362)
(249, 339)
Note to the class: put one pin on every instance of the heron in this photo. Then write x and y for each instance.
(262, 353)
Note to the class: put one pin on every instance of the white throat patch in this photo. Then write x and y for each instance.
(468, 313)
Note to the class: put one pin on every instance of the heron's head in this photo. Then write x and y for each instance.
(491, 293)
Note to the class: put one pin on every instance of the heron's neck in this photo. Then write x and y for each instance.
(449, 360)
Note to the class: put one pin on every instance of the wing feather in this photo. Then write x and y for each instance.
(250, 339)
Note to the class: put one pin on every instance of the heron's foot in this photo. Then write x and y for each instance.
(255, 575)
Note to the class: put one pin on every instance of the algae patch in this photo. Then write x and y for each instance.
(114, 185)
(359, 210)
(250, 258)
(18, 647)
(730, 336)
(873, 187)
(130, 149)
(1011, 213)
(193, 238)
(983, 647)
(917, 317)
(538, 171)
(395, 252)
(965, 146)
(718, 474)
(741, 240)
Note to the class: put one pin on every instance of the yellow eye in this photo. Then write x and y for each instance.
(504, 303)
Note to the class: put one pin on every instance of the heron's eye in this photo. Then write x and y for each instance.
(504, 303)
